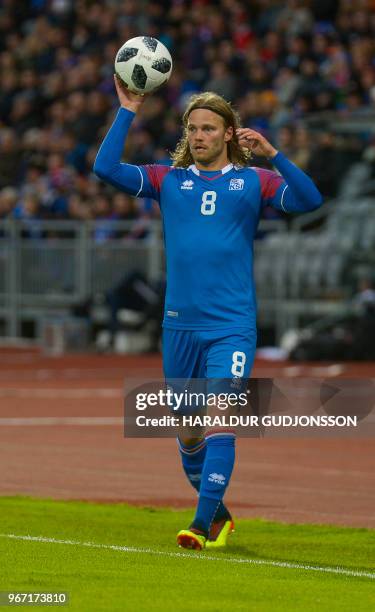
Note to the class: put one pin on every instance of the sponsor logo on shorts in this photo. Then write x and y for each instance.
(237, 382)
(172, 313)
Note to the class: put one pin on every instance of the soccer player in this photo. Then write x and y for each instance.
(211, 202)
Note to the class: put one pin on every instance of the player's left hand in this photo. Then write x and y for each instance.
(258, 144)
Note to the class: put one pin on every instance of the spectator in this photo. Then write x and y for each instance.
(304, 144)
(221, 81)
(10, 158)
(322, 164)
(28, 211)
(278, 62)
(8, 200)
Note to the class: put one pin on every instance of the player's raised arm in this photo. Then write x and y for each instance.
(293, 191)
(135, 180)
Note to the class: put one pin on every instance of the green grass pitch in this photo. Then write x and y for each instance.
(148, 574)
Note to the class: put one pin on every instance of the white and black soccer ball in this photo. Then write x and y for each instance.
(143, 64)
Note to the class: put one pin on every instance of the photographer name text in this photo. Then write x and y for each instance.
(247, 421)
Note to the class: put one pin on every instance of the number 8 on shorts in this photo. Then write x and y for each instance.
(238, 366)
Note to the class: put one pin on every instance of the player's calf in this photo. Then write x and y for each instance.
(217, 470)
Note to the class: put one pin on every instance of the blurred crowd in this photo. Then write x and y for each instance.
(279, 62)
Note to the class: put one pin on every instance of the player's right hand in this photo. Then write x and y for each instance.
(127, 98)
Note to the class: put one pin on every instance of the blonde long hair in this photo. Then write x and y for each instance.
(182, 157)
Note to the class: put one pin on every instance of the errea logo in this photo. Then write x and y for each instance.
(217, 478)
(236, 184)
(187, 184)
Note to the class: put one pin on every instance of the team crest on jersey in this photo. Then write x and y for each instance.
(187, 184)
(236, 184)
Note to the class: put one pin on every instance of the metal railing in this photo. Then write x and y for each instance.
(47, 267)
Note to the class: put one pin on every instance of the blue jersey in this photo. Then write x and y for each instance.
(210, 220)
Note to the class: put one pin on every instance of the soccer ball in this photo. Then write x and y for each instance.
(143, 64)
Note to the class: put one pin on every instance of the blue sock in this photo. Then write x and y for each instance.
(216, 473)
(192, 458)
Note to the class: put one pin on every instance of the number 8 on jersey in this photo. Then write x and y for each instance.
(208, 202)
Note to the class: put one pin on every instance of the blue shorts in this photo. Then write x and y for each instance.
(220, 355)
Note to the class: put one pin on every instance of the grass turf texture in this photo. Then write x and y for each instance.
(102, 579)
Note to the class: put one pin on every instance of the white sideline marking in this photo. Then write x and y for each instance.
(72, 373)
(327, 371)
(51, 421)
(203, 556)
(332, 370)
(61, 393)
(292, 371)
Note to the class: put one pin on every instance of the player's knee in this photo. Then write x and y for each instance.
(222, 436)
(188, 440)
